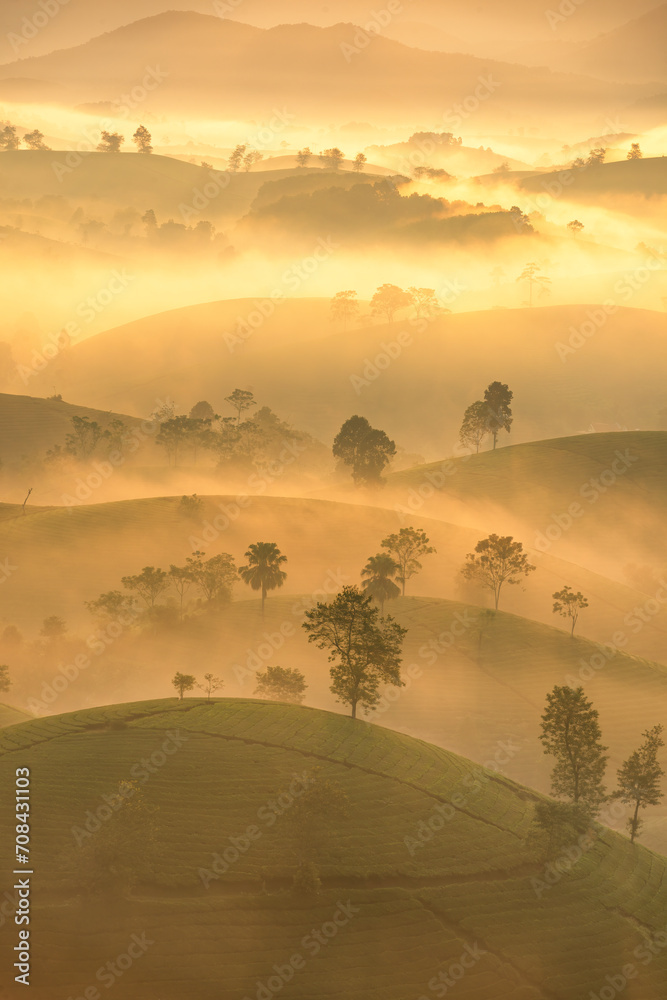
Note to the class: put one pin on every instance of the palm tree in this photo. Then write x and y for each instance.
(379, 572)
(263, 571)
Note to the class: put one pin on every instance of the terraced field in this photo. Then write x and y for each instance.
(10, 716)
(393, 914)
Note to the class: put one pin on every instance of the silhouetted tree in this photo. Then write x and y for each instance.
(35, 140)
(378, 574)
(211, 685)
(9, 140)
(407, 548)
(635, 152)
(304, 156)
(110, 142)
(360, 162)
(5, 682)
(332, 158)
(571, 734)
(263, 571)
(365, 650)
(495, 562)
(183, 683)
(425, 301)
(150, 584)
(576, 227)
(251, 158)
(568, 604)
(639, 778)
(344, 306)
(475, 426)
(281, 684)
(236, 159)
(215, 577)
(531, 275)
(84, 437)
(364, 450)
(388, 299)
(498, 398)
(240, 401)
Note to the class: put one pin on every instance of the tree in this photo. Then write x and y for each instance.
(173, 435)
(332, 158)
(407, 548)
(639, 778)
(202, 411)
(365, 450)
(251, 158)
(150, 584)
(84, 438)
(531, 274)
(304, 156)
(149, 220)
(182, 581)
(571, 734)
(263, 571)
(568, 604)
(575, 227)
(475, 425)
(635, 152)
(388, 299)
(562, 823)
(281, 684)
(379, 584)
(215, 577)
(596, 157)
(183, 683)
(498, 398)
(111, 606)
(143, 140)
(495, 562)
(53, 628)
(240, 400)
(425, 301)
(8, 138)
(35, 140)
(236, 159)
(360, 162)
(110, 142)
(5, 682)
(364, 649)
(116, 434)
(211, 685)
(344, 306)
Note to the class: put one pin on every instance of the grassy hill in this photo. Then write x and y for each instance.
(469, 890)
(645, 178)
(205, 351)
(536, 483)
(11, 716)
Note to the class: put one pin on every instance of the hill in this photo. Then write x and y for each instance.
(632, 51)
(11, 716)
(537, 483)
(645, 178)
(564, 353)
(215, 53)
(401, 918)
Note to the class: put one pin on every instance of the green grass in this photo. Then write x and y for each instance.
(469, 885)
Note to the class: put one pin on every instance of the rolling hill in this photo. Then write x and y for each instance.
(219, 54)
(11, 716)
(204, 352)
(645, 178)
(403, 914)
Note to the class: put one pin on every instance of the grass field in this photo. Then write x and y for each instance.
(408, 916)
(10, 716)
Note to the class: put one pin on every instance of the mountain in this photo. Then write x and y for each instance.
(633, 52)
(426, 864)
(385, 80)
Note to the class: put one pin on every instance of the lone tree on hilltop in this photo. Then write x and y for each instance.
(571, 734)
(281, 684)
(143, 140)
(568, 604)
(263, 571)
(407, 548)
(183, 683)
(365, 650)
(378, 574)
(211, 685)
(639, 778)
(497, 561)
(35, 140)
(498, 398)
(365, 450)
(635, 152)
